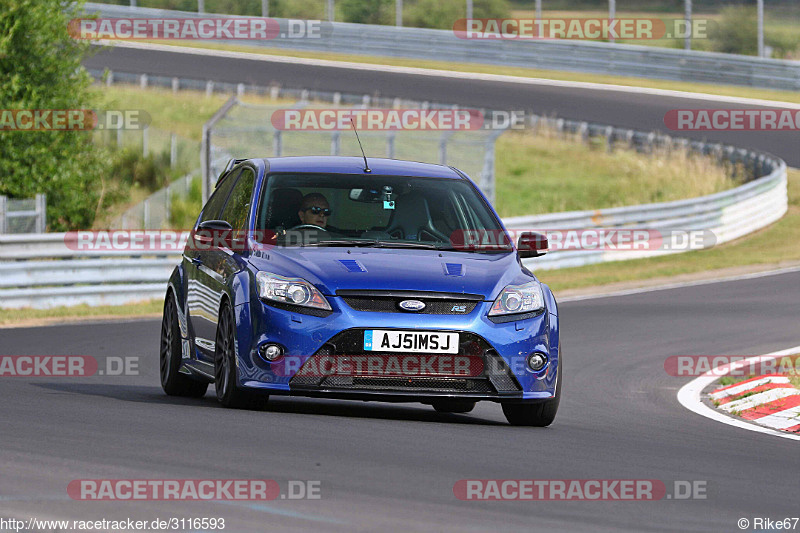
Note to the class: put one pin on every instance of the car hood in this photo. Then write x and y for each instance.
(333, 269)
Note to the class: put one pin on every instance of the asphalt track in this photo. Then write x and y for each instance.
(392, 467)
(385, 467)
(619, 108)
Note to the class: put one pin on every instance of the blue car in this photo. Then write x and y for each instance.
(325, 277)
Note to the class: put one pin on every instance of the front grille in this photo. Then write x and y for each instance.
(389, 302)
(488, 372)
(423, 384)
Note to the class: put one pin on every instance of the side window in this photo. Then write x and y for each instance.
(214, 205)
(237, 209)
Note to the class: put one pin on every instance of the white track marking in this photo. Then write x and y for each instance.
(416, 71)
(744, 387)
(758, 399)
(783, 419)
(689, 396)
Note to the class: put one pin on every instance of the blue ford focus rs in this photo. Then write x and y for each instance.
(320, 276)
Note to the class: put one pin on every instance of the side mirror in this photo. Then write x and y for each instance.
(207, 232)
(532, 244)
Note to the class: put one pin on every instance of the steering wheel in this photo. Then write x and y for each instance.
(307, 226)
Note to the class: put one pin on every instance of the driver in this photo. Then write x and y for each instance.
(314, 210)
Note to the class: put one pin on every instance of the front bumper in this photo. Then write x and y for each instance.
(502, 348)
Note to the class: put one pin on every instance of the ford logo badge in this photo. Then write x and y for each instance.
(412, 305)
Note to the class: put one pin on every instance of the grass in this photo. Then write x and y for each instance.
(183, 113)
(57, 314)
(773, 244)
(546, 173)
(723, 90)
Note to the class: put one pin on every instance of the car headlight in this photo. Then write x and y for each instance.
(515, 299)
(293, 291)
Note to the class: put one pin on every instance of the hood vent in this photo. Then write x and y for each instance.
(352, 265)
(453, 269)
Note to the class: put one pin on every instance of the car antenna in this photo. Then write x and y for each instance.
(366, 165)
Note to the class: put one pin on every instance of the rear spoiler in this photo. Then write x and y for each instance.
(228, 166)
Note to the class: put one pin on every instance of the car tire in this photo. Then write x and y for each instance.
(225, 377)
(539, 414)
(453, 406)
(172, 381)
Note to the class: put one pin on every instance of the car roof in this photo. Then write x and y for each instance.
(355, 165)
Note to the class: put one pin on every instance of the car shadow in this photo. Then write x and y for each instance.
(412, 412)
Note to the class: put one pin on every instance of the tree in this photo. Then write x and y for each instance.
(40, 65)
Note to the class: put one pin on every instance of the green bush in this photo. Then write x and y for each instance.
(442, 14)
(737, 32)
(184, 210)
(40, 68)
(367, 11)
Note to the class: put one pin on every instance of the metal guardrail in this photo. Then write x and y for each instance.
(44, 271)
(728, 215)
(576, 56)
(70, 277)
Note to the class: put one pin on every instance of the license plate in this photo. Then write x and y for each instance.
(384, 340)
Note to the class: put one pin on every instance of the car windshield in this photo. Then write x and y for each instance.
(377, 211)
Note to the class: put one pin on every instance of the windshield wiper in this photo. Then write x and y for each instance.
(342, 242)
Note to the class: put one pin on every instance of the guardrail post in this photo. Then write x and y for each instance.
(390, 145)
(443, 147)
(274, 92)
(119, 137)
(143, 81)
(609, 135)
(110, 78)
(168, 205)
(265, 8)
(335, 143)
(176, 85)
(41, 213)
(240, 90)
(3, 213)
(146, 216)
(277, 143)
(337, 99)
(201, 6)
(173, 150)
(145, 139)
(209, 88)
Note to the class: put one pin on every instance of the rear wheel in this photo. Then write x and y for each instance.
(172, 381)
(453, 406)
(225, 379)
(535, 414)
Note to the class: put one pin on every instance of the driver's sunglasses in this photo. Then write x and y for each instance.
(316, 210)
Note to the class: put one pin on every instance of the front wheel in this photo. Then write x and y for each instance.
(228, 394)
(535, 414)
(172, 381)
